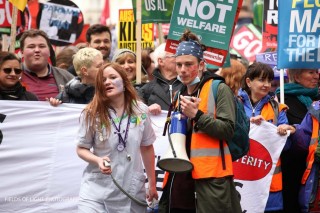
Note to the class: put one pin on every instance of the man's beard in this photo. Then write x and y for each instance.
(106, 56)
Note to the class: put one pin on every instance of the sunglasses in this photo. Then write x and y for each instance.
(17, 71)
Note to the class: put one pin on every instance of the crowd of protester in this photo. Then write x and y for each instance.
(88, 74)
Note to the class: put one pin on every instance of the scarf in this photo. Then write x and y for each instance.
(304, 95)
(14, 93)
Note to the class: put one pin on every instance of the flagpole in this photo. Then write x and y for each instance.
(13, 29)
(282, 86)
(160, 33)
(138, 37)
(5, 43)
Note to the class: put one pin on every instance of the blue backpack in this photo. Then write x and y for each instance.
(239, 144)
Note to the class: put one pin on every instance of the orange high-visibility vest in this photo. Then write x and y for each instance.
(205, 152)
(312, 148)
(267, 113)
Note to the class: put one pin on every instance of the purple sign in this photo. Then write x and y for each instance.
(270, 58)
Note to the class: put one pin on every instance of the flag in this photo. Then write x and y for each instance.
(253, 172)
(20, 4)
(105, 13)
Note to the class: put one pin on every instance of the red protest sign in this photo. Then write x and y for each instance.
(246, 41)
(6, 15)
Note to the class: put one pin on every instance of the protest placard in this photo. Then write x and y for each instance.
(270, 58)
(6, 16)
(213, 22)
(270, 24)
(155, 11)
(127, 32)
(62, 21)
(246, 41)
(298, 38)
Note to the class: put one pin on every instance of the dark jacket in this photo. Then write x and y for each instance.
(76, 92)
(159, 90)
(72, 71)
(61, 76)
(18, 92)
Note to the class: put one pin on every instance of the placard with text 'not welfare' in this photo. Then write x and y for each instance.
(213, 22)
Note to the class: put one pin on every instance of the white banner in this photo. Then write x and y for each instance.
(253, 172)
(41, 172)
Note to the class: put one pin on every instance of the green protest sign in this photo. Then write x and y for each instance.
(212, 20)
(155, 11)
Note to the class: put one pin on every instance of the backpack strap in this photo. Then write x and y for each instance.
(275, 107)
(214, 90)
(212, 101)
(215, 85)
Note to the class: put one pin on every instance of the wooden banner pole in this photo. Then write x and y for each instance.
(13, 29)
(281, 86)
(160, 33)
(5, 43)
(138, 37)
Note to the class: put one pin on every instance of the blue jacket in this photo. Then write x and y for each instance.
(301, 139)
(275, 199)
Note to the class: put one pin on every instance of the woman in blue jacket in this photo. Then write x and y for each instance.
(259, 105)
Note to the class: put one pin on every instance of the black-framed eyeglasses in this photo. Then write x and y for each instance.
(17, 71)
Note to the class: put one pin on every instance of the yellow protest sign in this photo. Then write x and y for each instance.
(127, 32)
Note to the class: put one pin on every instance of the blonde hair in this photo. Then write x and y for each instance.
(233, 75)
(121, 55)
(84, 58)
(121, 58)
